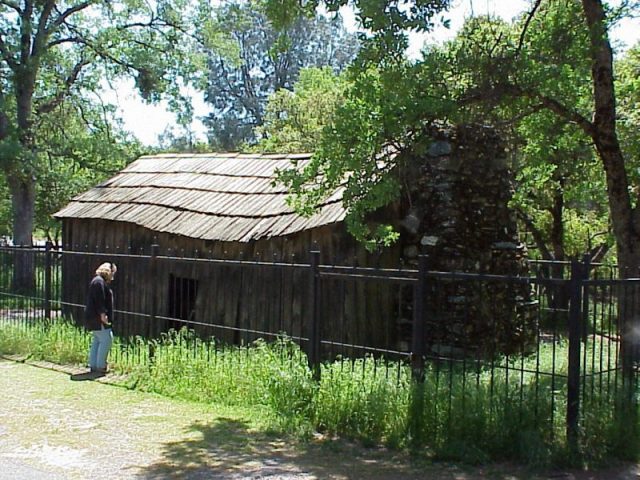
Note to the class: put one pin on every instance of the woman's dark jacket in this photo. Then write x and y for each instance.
(99, 300)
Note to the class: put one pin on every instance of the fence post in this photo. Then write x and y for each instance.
(586, 274)
(313, 347)
(47, 280)
(575, 336)
(153, 268)
(417, 340)
(416, 415)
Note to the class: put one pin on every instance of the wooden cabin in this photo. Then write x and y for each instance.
(226, 206)
(221, 206)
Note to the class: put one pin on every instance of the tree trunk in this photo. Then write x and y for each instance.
(623, 216)
(606, 141)
(23, 201)
(560, 298)
(22, 182)
(605, 138)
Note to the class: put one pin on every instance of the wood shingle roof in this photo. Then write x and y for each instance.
(216, 196)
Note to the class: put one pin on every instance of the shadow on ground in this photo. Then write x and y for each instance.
(80, 377)
(229, 450)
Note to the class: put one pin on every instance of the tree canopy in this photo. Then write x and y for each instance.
(294, 121)
(257, 60)
(556, 58)
(77, 152)
(560, 194)
(54, 54)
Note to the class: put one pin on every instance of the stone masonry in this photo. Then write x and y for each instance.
(459, 216)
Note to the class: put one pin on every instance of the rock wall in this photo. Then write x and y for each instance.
(458, 215)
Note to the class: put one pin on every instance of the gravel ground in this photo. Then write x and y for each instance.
(55, 428)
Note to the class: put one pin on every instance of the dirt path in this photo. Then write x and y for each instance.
(83, 430)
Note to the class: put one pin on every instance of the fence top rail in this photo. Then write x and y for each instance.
(611, 281)
(391, 274)
(369, 276)
(397, 275)
(32, 248)
(483, 276)
(214, 261)
(234, 262)
(411, 275)
(103, 254)
(567, 262)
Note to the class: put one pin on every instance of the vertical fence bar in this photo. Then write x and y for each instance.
(417, 340)
(625, 294)
(153, 268)
(588, 381)
(573, 380)
(47, 280)
(586, 272)
(626, 404)
(416, 414)
(313, 352)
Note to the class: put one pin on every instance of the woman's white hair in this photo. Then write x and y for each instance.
(106, 270)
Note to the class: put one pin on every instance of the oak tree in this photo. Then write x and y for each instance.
(52, 50)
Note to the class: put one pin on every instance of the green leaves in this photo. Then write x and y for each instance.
(78, 148)
(255, 60)
(53, 63)
(385, 104)
(509, 76)
(628, 87)
(532, 78)
(295, 121)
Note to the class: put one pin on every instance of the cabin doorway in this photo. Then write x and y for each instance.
(182, 301)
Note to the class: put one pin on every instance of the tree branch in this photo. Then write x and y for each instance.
(537, 234)
(524, 114)
(6, 55)
(25, 33)
(42, 33)
(563, 111)
(60, 41)
(597, 253)
(503, 90)
(68, 84)
(128, 26)
(523, 33)
(12, 5)
(68, 12)
(79, 39)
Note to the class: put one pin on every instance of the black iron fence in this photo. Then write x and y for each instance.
(549, 345)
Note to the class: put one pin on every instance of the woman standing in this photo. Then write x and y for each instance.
(98, 316)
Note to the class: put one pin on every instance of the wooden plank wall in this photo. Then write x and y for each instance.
(233, 298)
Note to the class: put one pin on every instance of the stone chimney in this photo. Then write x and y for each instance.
(458, 214)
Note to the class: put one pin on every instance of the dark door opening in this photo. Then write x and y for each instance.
(182, 301)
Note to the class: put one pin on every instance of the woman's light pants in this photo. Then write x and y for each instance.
(100, 346)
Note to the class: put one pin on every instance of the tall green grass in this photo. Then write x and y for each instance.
(55, 341)
(469, 411)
